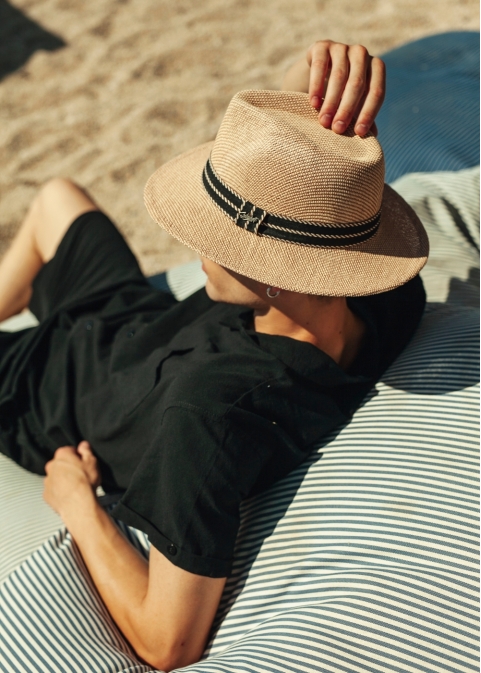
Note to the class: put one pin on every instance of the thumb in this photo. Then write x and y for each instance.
(85, 450)
(89, 462)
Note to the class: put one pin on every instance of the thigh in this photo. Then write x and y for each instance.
(92, 257)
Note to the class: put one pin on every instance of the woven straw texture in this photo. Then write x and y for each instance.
(272, 151)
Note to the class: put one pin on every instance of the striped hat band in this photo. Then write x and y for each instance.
(261, 223)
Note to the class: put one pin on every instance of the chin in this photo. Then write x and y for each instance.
(232, 293)
(212, 292)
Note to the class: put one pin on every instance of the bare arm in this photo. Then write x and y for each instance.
(163, 611)
(343, 82)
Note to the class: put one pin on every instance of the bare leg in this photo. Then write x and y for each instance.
(58, 203)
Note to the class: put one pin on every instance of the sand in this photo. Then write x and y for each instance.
(118, 87)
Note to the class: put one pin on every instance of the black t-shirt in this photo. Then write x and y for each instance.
(187, 408)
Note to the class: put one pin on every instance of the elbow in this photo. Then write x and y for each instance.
(168, 659)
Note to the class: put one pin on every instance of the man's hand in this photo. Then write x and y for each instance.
(343, 82)
(72, 475)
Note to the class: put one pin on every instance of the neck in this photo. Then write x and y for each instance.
(326, 323)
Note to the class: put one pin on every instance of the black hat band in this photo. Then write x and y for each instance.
(251, 218)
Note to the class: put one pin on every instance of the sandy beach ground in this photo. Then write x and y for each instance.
(104, 91)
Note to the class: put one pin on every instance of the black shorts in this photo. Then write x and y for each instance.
(92, 260)
(92, 257)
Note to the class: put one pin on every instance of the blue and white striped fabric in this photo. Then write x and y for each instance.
(448, 204)
(25, 520)
(430, 117)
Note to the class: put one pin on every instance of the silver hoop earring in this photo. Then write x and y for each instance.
(272, 295)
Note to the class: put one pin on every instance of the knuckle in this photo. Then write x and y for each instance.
(378, 92)
(357, 82)
(318, 63)
(328, 108)
(366, 119)
(317, 47)
(360, 49)
(339, 75)
(343, 114)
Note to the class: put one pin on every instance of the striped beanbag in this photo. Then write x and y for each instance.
(363, 559)
(430, 117)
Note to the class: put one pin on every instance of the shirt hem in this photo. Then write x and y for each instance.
(193, 563)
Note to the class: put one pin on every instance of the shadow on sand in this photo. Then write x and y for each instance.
(20, 37)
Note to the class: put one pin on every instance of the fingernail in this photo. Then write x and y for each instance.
(339, 126)
(326, 119)
(362, 129)
(316, 102)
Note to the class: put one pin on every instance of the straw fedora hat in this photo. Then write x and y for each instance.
(280, 199)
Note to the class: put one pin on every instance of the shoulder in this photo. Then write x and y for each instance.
(402, 306)
(394, 316)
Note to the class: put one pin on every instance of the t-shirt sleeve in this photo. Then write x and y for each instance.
(186, 492)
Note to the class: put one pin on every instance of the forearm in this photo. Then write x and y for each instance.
(118, 571)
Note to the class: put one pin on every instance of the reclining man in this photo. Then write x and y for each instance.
(187, 408)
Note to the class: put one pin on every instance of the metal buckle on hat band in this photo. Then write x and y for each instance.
(251, 218)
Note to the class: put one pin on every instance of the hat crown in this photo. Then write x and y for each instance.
(273, 152)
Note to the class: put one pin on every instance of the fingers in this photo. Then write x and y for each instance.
(355, 87)
(318, 59)
(84, 450)
(89, 463)
(329, 115)
(65, 453)
(376, 90)
(83, 454)
(352, 90)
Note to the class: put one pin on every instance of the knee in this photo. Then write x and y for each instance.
(55, 189)
(58, 203)
(49, 195)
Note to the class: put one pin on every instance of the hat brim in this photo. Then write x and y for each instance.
(176, 199)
